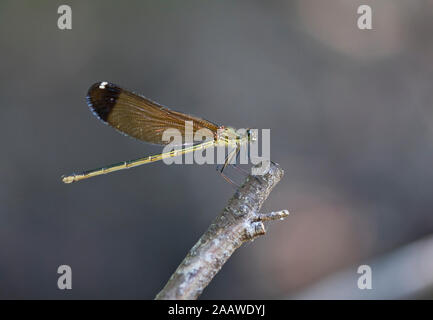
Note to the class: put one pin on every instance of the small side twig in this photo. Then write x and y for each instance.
(240, 221)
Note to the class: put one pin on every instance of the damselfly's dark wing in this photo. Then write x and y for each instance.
(139, 117)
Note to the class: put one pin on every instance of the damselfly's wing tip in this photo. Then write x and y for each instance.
(102, 97)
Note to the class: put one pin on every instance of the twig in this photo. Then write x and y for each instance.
(240, 221)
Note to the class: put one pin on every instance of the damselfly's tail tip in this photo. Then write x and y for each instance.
(68, 179)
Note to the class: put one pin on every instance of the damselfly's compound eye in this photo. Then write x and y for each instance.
(252, 135)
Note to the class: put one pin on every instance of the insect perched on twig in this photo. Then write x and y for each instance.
(143, 119)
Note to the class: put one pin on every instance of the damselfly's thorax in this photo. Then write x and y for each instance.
(232, 137)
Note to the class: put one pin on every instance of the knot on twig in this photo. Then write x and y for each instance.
(255, 226)
(253, 229)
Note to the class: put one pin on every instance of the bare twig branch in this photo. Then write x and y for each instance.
(240, 221)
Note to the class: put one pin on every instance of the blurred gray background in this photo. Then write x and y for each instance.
(351, 122)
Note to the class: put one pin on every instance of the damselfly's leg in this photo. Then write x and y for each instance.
(259, 178)
(245, 172)
(234, 165)
(226, 162)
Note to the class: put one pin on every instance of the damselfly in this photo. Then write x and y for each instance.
(143, 119)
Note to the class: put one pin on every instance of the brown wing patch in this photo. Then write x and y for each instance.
(137, 116)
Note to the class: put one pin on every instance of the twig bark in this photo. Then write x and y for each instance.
(240, 221)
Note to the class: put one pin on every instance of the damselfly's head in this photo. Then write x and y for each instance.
(252, 135)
